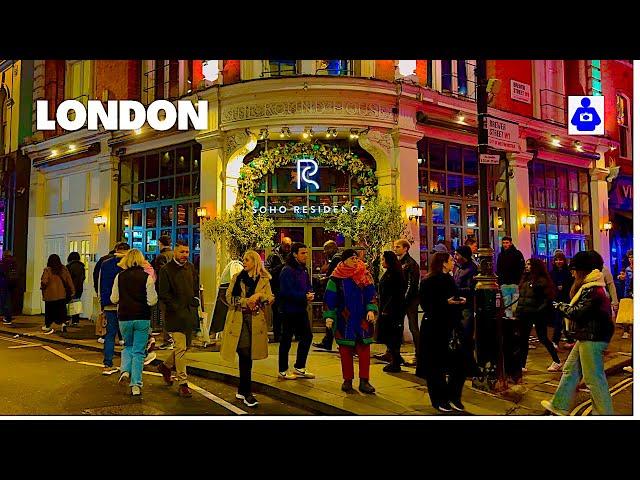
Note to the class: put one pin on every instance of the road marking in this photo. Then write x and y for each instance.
(92, 364)
(60, 354)
(575, 411)
(613, 393)
(13, 340)
(217, 400)
(28, 345)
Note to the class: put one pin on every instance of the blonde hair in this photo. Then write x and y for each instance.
(258, 265)
(133, 258)
(403, 243)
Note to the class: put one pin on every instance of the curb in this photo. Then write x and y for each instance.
(304, 402)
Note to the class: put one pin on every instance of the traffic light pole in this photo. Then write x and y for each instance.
(488, 301)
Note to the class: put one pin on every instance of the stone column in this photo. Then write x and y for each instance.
(600, 206)
(211, 161)
(519, 206)
(35, 243)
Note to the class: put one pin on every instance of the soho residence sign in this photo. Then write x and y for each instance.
(306, 167)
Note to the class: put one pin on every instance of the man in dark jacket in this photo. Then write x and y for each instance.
(295, 292)
(510, 267)
(108, 271)
(274, 265)
(411, 271)
(8, 283)
(178, 290)
(159, 313)
(333, 257)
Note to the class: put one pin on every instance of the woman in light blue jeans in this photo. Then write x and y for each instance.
(135, 293)
(589, 314)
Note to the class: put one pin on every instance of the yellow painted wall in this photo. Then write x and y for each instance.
(12, 76)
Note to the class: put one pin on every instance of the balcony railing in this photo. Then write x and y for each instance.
(159, 84)
(553, 106)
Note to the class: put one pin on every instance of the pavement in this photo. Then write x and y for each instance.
(396, 393)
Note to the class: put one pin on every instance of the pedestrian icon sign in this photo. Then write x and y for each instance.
(586, 115)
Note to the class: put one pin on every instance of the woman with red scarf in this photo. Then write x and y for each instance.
(350, 311)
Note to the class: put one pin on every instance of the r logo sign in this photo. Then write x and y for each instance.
(307, 167)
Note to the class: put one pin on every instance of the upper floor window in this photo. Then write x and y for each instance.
(595, 77)
(79, 80)
(334, 67)
(452, 76)
(278, 68)
(622, 115)
(166, 79)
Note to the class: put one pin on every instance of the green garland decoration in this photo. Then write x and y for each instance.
(285, 154)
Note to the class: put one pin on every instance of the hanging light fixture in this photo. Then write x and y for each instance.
(285, 132)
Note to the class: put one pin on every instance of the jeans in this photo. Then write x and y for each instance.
(297, 323)
(135, 333)
(110, 337)
(541, 332)
(586, 359)
(509, 295)
(5, 304)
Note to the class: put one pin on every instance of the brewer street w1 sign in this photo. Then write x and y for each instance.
(503, 135)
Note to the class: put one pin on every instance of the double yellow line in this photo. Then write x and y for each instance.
(617, 388)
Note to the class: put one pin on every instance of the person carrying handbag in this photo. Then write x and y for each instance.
(57, 289)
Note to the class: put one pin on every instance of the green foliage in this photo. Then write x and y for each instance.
(379, 223)
(240, 230)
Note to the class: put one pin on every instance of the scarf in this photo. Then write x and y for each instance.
(594, 279)
(249, 282)
(359, 274)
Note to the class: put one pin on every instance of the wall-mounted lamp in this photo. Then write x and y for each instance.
(460, 117)
(285, 132)
(414, 213)
(308, 133)
(201, 213)
(100, 221)
(500, 222)
(126, 222)
(606, 226)
(331, 132)
(578, 146)
(529, 220)
(577, 227)
(264, 133)
(555, 141)
(421, 161)
(354, 133)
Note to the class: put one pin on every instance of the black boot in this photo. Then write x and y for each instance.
(365, 386)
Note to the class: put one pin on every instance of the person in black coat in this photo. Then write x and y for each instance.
(442, 368)
(391, 317)
(274, 265)
(562, 280)
(77, 271)
(534, 307)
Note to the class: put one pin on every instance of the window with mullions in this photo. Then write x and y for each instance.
(595, 77)
(622, 116)
(279, 68)
(334, 67)
(159, 195)
(455, 77)
(560, 200)
(161, 79)
(449, 189)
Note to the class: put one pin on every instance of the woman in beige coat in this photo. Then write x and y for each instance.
(245, 329)
(57, 289)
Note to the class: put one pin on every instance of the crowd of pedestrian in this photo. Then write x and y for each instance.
(576, 299)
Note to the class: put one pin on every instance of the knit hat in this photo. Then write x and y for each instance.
(440, 248)
(582, 261)
(465, 251)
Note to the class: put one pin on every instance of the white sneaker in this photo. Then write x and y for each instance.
(303, 373)
(151, 356)
(124, 378)
(121, 342)
(110, 370)
(100, 340)
(625, 335)
(547, 406)
(44, 328)
(524, 370)
(555, 367)
(286, 376)
(136, 391)
(628, 369)
(48, 331)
